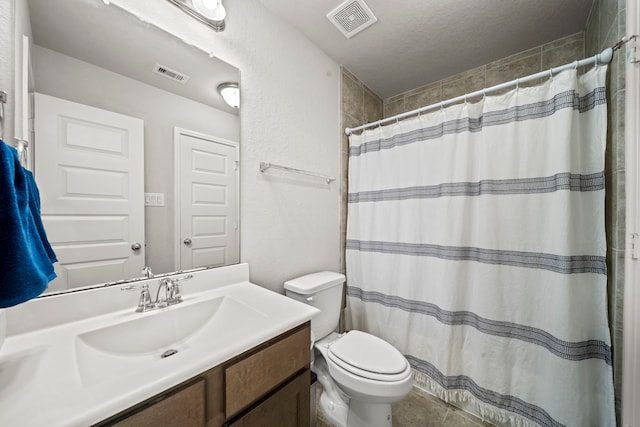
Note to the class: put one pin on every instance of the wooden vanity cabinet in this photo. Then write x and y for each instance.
(180, 408)
(265, 386)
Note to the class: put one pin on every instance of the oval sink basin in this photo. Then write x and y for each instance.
(116, 349)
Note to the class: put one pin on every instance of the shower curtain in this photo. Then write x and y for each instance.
(476, 246)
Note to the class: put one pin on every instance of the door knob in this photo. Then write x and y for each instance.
(187, 241)
(136, 246)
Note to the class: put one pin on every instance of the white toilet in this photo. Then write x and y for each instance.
(369, 373)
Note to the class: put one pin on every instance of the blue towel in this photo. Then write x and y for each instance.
(26, 258)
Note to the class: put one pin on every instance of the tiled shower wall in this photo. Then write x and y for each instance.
(606, 25)
(558, 52)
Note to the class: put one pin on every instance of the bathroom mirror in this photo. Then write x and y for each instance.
(134, 151)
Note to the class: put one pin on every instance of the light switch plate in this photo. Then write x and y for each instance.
(154, 199)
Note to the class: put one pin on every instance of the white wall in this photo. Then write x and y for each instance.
(7, 64)
(68, 78)
(20, 99)
(290, 115)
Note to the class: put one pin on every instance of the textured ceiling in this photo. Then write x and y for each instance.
(416, 42)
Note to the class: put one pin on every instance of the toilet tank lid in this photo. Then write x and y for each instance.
(314, 282)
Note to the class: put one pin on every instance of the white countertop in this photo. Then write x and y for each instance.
(43, 384)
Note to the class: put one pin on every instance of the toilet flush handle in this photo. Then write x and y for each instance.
(310, 298)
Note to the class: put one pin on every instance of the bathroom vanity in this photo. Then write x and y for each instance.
(267, 385)
(235, 354)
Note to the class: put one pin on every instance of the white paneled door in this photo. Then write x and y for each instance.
(207, 186)
(89, 166)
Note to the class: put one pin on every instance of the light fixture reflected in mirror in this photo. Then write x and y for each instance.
(230, 92)
(211, 9)
(209, 12)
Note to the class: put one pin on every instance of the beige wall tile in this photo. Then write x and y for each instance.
(577, 37)
(421, 97)
(500, 71)
(608, 14)
(619, 57)
(617, 131)
(352, 98)
(391, 108)
(517, 57)
(463, 83)
(611, 37)
(563, 54)
(346, 72)
(592, 32)
(372, 106)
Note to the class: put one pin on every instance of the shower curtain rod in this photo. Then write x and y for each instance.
(603, 57)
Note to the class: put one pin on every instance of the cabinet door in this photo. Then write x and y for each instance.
(250, 379)
(287, 407)
(184, 408)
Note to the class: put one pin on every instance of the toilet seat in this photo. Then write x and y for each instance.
(368, 356)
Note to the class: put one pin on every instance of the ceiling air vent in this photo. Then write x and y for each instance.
(171, 74)
(351, 17)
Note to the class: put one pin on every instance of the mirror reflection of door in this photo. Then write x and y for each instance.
(206, 188)
(89, 164)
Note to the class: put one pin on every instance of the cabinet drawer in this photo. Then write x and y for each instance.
(184, 408)
(288, 407)
(249, 379)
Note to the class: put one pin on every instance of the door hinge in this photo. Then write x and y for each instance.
(237, 164)
(634, 245)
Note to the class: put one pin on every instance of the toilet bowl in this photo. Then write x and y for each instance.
(361, 374)
(366, 367)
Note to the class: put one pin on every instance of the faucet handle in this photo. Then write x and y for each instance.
(173, 291)
(145, 303)
(147, 272)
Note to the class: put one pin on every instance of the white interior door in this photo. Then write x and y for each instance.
(89, 165)
(23, 90)
(206, 187)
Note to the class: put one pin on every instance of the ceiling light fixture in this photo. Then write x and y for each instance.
(211, 9)
(230, 92)
(209, 12)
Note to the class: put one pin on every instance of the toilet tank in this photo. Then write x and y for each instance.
(322, 290)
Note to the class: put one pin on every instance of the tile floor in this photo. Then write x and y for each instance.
(418, 409)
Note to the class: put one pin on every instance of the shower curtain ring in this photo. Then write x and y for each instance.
(550, 73)
(517, 84)
(575, 65)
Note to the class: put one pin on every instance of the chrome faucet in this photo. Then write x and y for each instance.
(168, 294)
(164, 288)
(174, 291)
(147, 272)
(171, 291)
(144, 303)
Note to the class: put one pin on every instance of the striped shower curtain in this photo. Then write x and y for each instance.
(476, 246)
